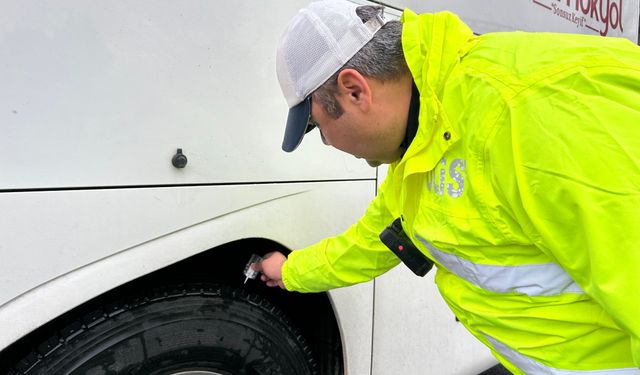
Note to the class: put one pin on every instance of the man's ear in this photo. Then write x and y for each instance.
(354, 89)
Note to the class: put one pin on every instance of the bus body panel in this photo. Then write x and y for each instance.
(115, 88)
(96, 100)
(613, 18)
(98, 97)
(59, 264)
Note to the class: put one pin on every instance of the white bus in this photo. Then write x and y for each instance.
(141, 168)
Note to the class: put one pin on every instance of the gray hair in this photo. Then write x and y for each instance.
(381, 58)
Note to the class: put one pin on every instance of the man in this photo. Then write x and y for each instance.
(515, 167)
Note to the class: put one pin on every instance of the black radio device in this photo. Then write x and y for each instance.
(400, 244)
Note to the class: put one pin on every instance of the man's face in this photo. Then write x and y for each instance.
(365, 135)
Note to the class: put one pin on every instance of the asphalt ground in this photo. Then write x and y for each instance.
(496, 370)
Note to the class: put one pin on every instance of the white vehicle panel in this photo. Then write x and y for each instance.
(59, 246)
(616, 18)
(162, 226)
(420, 335)
(80, 78)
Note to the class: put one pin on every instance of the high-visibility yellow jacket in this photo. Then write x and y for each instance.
(523, 185)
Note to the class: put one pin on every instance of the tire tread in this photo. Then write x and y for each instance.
(87, 320)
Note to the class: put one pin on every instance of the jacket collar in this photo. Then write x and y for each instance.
(433, 44)
(412, 119)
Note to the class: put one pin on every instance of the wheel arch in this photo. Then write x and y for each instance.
(223, 264)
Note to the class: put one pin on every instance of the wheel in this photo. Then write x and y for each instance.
(191, 330)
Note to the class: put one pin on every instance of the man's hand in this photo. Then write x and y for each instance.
(271, 268)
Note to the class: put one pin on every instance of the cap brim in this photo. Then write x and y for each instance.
(296, 125)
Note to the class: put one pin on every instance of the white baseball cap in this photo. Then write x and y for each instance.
(320, 39)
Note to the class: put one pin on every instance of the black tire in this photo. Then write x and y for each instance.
(206, 328)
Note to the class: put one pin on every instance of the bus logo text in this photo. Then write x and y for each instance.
(601, 16)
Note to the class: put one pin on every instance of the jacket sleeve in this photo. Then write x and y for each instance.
(577, 172)
(355, 256)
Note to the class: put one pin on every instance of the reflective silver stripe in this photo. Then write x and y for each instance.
(545, 279)
(531, 367)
